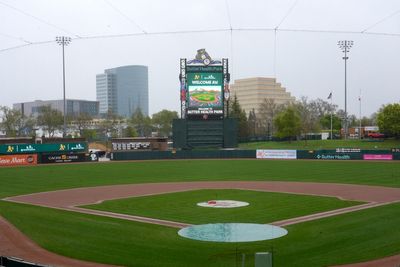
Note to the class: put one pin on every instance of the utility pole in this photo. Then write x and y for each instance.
(345, 47)
(64, 41)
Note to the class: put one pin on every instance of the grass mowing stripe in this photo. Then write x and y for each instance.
(353, 237)
(182, 207)
(16, 181)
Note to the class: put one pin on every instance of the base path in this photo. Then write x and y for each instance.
(71, 198)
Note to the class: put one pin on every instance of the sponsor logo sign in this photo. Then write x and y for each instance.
(276, 154)
(378, 157)
(38, 148)
(18, 160)
(333, 156)
(63, 158)
(348, 150)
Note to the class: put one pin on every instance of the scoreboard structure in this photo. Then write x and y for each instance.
(204, 95)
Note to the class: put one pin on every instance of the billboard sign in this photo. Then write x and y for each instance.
(205, 87)
(38, 148)
(18, 160)
(333, 156)
(378, 157)
(276, 154)
(63, 158)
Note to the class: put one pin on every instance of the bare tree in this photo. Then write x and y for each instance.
(268, 111)
(14, 123)
(50, 119)
(82, 122)
(309, 114)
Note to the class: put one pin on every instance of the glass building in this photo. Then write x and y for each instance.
(73, 107)
(122, 90)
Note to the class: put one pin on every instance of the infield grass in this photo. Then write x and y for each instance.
(352, 237)
(264, 207)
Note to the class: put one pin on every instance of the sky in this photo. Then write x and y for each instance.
(292, 40)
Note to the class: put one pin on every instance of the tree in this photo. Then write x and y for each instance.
(50, 119)
(288, 123)
(252, 122)
(268, 111)
(89, 134)
(110, 124)
(309, 114)
(367, 121)
(236, 111)
(14, 123)
(326, 122)
(129, 131)
(141, 123)
(162, 121)
(389, 120)
(82, 122)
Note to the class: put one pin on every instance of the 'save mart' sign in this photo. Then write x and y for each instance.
(18, 160)
(37, 148)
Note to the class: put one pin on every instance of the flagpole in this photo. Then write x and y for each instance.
(359, 99)
(331, 116)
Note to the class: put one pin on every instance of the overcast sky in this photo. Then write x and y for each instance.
(302, 53)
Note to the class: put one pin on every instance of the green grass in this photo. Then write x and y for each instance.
(352, 237)
(25, 180)
(346, 238)
(264, 207)
(323, 144)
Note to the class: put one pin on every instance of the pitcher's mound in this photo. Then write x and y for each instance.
(222, 204)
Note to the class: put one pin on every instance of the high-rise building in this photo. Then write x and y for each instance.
(123, 90)
(251, 93)
(73, 107)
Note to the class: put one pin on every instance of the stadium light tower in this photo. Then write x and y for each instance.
(345, 46)
(63, 41)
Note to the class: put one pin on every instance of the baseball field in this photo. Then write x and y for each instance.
(277, 191)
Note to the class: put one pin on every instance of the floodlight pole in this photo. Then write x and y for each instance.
(63, 41)
(345, 47)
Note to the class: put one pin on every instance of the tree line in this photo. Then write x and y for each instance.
(14, 124)
(271, 120)
(305, 116)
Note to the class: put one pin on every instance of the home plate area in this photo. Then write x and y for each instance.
(222, 204)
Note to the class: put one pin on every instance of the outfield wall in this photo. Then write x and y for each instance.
(183, 154)
(30, 154)
(338, 154)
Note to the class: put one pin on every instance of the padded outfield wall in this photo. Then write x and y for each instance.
(338, 154)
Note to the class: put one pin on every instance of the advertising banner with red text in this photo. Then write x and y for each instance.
(18, 160)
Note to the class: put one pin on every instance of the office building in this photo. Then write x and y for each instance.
(73, 107)
(251, 93)
(122, 90)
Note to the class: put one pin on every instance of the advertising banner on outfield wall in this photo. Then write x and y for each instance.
(37, 148)
(62, 158)
(276, 154)
(378, 157)
(18, 160)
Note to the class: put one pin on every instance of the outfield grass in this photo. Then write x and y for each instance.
(346, 238)
(323, 144)
(25, 180)
(362, 235)
(264, 207)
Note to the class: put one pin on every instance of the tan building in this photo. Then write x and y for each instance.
(251, 92)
